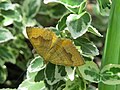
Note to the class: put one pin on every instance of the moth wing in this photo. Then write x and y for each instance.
(41, 39)
(64, 53)
(76, 58)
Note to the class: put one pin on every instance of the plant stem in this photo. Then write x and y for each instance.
(112, 44)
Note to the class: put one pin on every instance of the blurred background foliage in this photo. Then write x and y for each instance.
(15, 49)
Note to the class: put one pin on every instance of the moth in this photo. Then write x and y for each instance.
(59, 51)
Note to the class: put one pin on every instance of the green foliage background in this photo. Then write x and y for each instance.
(16, 50)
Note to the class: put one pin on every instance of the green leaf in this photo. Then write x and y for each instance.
(70, 3)
(27, 85)
(54, 73)
(50, 74)
(77, 84)
(53, 10)
(7, 6)
(78, 24)
(5, 35)
(35, 66)
(12, 14)
(57, 11)
(104, 7)
(1, 20)
(18, 24)
(77, 9)
(57, 86)
(7, 21)
(31, 7)
(110, 74)
(2, 62)
(62, 22)
(3, 74)
(6, 55)
(90, 72)
(104, 3)
(88, 48)
(40, 76)
(19, 48)
(70, 72)
(94, 31)
(31, 76)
